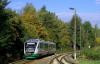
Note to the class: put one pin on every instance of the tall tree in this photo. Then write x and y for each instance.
(4, 16)
(90, 37)
(57, 29)
(11, 36)
(10, 33)
(32, 24)
(16, 35)
(71, 30)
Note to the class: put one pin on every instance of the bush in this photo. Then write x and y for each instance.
(93, 53)
(97, 41)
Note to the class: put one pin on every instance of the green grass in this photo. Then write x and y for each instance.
(85, 61)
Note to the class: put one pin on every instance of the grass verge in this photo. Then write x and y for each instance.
(86, 61)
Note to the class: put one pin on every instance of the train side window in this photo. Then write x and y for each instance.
(49, 47)
(45, 46)
(41, 45)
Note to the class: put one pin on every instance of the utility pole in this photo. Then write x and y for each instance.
(80, 37)
(74, 44)
(95, 33)
(95, 30)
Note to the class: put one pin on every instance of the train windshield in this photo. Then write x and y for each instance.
(30, 47)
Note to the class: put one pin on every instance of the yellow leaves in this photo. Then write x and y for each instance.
(98, 41)
(41, 30)
(33, 25)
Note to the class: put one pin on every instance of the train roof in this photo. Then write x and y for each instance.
(32, 40)
(36, 40)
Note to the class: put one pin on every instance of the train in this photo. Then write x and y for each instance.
(34, 48)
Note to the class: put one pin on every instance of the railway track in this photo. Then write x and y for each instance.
(63, 59)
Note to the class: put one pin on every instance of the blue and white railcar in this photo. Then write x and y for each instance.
(34, 48)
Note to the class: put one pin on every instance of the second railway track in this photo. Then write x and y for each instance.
(63, 59)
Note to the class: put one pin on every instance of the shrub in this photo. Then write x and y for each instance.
(93, 53)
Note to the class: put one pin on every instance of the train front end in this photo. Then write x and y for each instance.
(30, 49)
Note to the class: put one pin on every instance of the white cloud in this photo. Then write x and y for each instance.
(97, 1)
(64, 14)
(94, 18)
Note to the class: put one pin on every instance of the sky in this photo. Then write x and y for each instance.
(88, 10)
